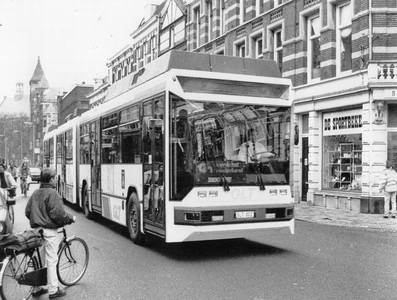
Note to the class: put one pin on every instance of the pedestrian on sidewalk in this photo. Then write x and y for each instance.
(388, 185)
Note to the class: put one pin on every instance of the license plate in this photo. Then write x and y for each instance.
(244, 214)
(271, 216)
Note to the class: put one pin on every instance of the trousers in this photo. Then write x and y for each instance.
(390, 196)
(48, 252)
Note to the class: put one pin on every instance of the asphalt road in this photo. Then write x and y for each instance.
(318, 262)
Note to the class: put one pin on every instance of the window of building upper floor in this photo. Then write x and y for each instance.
(154, 48)
(313, 48)
(239, 49)
(210, 20)
(258, 7)
(196, 22)
(277, 47)
(242, 11)
(257, 46)
(222, 16)
(275, 3)
(343, 14)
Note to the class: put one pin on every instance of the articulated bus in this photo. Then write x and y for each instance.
(60, 152)
(192, 147)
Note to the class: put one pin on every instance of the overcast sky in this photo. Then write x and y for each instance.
(73, 38)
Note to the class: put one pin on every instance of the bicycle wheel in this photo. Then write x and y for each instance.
(73, 261)
(15, 267)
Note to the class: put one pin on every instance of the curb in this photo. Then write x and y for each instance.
(338, 217)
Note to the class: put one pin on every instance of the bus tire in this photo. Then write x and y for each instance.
(134, 220)
(86, 205)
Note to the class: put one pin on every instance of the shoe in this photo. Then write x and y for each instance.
(39, 292)
(59, 293)
(385, 216)
(393, 217)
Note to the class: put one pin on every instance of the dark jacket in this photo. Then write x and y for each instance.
(45, 209)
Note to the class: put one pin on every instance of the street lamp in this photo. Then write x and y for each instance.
(31, 142)
(15, 131)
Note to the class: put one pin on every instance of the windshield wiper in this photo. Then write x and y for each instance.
(222, 176)
(259, 177)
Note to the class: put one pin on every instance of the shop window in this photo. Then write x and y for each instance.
(344, 37)
(342, 162)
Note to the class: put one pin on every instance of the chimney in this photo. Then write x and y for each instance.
(19, 91)
(149, 10)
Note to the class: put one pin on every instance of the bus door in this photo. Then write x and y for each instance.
(62, 163)
(153, 164)
(95, 166)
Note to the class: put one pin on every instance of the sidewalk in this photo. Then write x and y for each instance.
(340, 217)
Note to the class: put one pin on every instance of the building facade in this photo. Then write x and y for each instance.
(163, 27)
(74, 102)
(341, 57)
(15, 134)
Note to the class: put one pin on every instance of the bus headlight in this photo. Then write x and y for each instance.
(283, 192)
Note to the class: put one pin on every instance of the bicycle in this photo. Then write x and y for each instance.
(22, 271)
(24, 186)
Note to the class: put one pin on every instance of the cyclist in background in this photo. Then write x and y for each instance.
(13, 170)
(7, 181)
(45, 210)
(24, 172)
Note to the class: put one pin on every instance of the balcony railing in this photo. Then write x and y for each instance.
(382, 71)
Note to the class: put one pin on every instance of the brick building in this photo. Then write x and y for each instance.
(341, 58)
(162, 28)
(74, 103)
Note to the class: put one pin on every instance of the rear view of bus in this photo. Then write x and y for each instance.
(221, 144)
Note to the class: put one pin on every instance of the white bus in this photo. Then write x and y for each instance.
(192, 147)
(60, 152)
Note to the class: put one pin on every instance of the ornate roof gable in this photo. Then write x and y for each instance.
(39, 77)
(172, 11)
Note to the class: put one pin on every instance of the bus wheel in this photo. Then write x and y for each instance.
(134, 221)
(86, 205)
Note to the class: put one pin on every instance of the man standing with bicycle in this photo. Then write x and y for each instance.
(45, 210)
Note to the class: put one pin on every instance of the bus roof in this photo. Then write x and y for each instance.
(195, 62)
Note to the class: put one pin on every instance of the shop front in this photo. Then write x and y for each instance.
(341, 155)
(346, 136)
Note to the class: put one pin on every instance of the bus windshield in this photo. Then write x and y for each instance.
(227, 144)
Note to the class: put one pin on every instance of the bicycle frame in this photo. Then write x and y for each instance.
(65, 238)
(10, 256)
